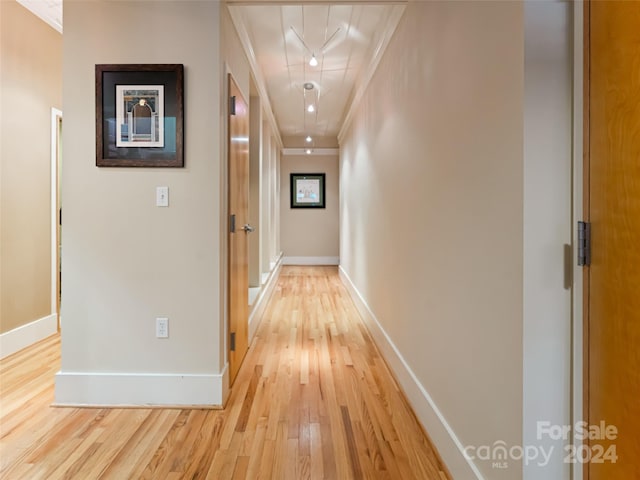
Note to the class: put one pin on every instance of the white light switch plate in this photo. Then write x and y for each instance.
(162, 196)
(162, 327)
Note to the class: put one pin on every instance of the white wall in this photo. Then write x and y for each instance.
(431, 182)
(459, 162)
(310, 235)
(269, 197)
(274, 180)
(30, 85)
(125, 260)
(264, 197)
(255, 160)
(548, 127)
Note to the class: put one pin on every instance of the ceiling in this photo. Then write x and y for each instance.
(347, 40)
(48, 10)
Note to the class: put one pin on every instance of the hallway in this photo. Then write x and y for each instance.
(313, 399)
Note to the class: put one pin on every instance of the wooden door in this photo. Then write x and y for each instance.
(612, 297)
(238, 217)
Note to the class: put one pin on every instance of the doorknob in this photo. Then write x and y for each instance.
(248, 228)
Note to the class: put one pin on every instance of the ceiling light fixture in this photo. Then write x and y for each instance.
(311, 108)
(309, 139)
(308, 151)
(314, 61)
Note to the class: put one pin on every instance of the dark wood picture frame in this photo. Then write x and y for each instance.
(158, 86)
(308, 190)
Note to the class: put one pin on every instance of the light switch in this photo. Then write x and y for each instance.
(162, 196)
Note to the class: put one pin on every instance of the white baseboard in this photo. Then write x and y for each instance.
(25, 335)
(141, 389)
(260, 304)
(444, 438)
(311, 261)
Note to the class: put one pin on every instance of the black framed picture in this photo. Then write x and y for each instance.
(139, 115)
(307, 190)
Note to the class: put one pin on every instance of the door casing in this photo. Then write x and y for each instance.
(238, 209)
(56, 164)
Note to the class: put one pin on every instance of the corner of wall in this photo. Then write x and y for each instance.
(31, 84)
(445, 440)
(125, 261)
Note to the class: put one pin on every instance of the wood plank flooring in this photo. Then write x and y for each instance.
(313, 400)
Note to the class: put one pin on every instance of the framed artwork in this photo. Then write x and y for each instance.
(307, 190)
(139, 115)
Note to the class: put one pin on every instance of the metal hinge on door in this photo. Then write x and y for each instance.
(232, 342)
(232, 105)
(584, 244)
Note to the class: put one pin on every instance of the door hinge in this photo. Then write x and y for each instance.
(584, 244)
(232, 223)
(232, 105)
(232, 342)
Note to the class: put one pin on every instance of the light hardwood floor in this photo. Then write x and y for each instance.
(313, 399)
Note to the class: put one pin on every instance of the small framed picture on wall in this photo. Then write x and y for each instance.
(139, 115)
(307, 190)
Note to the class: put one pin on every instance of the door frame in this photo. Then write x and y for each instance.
(583, 197)
(580, 202)
(56, 142)
(224, 237)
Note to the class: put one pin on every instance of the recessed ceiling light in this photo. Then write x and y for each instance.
(311, 108)
(309, 139)
(314, 61)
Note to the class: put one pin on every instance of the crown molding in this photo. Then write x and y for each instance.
(365, 78)
(49, 12)
(241, 28)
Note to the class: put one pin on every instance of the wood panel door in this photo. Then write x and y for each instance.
(238, 169)
(612, 298)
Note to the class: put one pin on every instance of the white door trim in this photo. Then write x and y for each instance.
(55, 116)
(577, 384)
